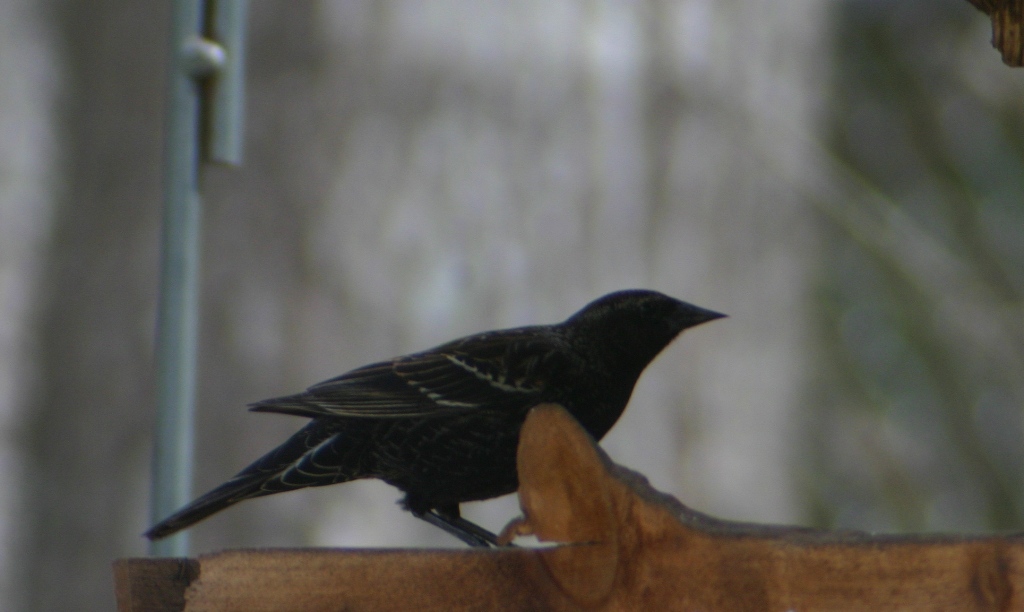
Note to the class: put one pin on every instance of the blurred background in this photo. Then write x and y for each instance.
(844, 178)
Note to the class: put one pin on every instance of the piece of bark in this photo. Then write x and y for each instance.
(1007, 27)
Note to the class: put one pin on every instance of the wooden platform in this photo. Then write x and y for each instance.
(629, 547)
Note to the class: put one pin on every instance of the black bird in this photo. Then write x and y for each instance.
(443, 425)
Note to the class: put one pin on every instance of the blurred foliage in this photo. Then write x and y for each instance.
(918, 402)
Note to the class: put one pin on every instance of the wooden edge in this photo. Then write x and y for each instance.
(153, 585)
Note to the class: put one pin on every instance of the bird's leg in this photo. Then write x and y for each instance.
(450, 520)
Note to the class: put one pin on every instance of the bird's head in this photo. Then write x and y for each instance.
(636, 324)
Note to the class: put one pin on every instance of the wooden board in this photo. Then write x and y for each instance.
(628, 547)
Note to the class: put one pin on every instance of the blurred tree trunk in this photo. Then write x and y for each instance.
(85, 425)
(29, 75)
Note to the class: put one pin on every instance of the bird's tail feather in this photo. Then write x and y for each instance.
(231, 492)
(282, 469)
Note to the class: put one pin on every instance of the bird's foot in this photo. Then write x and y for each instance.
(467, 531)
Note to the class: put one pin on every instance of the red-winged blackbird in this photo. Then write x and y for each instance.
(443, 425)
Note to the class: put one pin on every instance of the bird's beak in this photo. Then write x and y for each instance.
(703, 315)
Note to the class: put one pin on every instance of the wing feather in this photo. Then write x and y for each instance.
(494, 369)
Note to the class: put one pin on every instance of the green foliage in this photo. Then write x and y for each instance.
(919, 405)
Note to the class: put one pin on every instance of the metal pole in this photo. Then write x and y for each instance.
(227, 104)
(192, 59)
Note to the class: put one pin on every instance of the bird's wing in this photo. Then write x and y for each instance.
(485, 370)
(373, 391)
